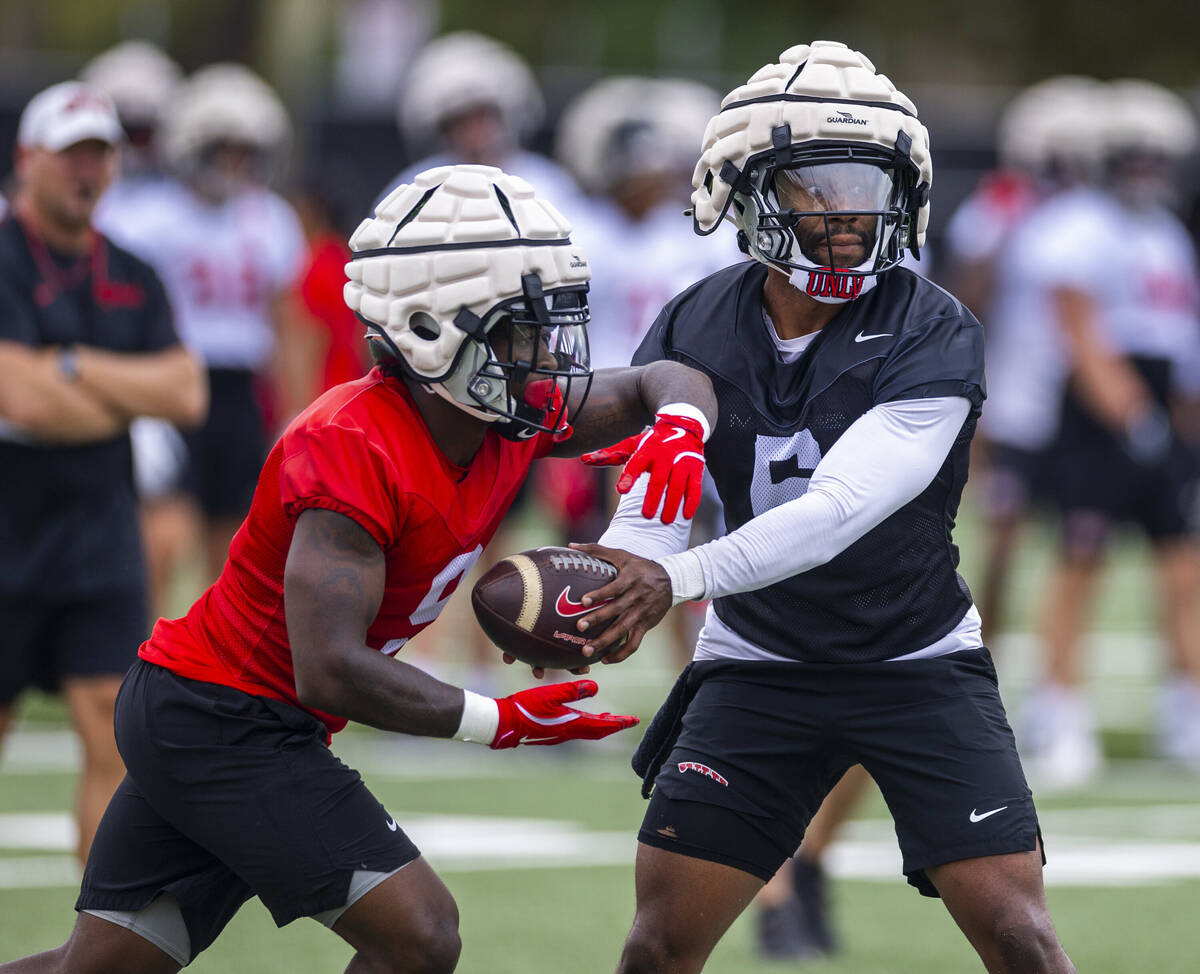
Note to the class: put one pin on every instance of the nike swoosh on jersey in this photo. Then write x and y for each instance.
(975, 817)
(862, 337)
(391, 824)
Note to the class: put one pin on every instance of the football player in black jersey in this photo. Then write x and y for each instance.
(840, 632)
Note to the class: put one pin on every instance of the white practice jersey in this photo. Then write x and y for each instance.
(980, 230)
(1026, 356)
(1138, 267)
(222, 265)
(1161, 316)
(638, 267)
(118, 207)
(983, 221)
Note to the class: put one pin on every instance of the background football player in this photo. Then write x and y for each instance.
(229, 251)
(1049, 140)
(141, 80)
(371, 508)
(1119, 271)
(840, 632)
(471, 99)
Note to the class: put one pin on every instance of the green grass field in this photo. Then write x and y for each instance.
(537, 845)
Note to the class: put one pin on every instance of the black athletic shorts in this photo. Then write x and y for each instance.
(761, 744)
(1100, 485)
(1016, 480)
(44, 641)
(229, 796)
(226, 454)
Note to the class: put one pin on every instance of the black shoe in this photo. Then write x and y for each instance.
(812, 905)
(781, 933)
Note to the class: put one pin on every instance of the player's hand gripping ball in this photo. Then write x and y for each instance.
(529, 604)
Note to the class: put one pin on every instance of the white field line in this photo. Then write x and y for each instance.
(458, 843)
(1123, 670)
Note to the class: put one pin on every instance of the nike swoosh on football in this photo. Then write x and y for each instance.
(566, 608)
(975, 817)
(861, 337)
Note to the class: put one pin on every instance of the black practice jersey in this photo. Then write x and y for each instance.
(68, 517)
(896, 589)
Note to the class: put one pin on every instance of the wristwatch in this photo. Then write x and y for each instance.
(68, 363)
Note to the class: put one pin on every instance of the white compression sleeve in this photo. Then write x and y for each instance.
(886, 458)
(645, 537)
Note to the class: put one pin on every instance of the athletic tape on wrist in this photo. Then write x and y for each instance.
(480, 719)
(688, 410)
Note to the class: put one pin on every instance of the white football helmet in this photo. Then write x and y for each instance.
(140, 79)
(471, 285)
(465, 70)
(1149, 130)
(1054, 128)
(627, 126)
(1146, 117)
(224, 103)
(825, 167)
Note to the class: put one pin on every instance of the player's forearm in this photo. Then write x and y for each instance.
(38, 400)
(376, 690)
(663, 383)
(170, 384)
(624, 401)
(883, 461)
(1106, 384)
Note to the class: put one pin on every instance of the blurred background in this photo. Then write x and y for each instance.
(339, 65)
(602, 107)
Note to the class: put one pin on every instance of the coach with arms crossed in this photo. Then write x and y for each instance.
(86, 344)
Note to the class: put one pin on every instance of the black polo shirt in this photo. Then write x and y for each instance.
(895, 590)
(68, 516)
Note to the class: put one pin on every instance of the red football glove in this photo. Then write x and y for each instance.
(538, 716)
(673, 454)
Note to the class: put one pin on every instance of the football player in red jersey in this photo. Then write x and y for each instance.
(369, 510)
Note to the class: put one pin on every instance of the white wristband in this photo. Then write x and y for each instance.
(480, 719)
(688, 410)
(686, 574)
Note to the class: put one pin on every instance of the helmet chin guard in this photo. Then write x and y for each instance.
(472, 286)
(822, 118)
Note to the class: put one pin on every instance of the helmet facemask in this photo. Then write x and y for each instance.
(831, 218)
(538, 355)
(520, 363)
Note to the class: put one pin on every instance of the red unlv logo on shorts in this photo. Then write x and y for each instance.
(703, 769)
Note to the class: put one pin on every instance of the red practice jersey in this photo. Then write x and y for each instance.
(363, 451)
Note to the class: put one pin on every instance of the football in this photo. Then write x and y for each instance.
(529, 603)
